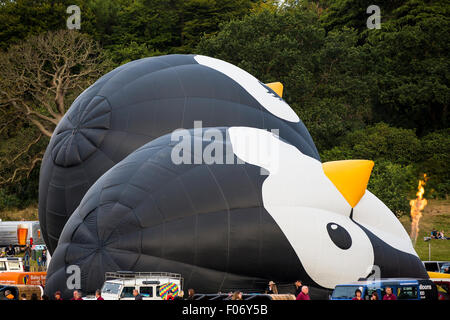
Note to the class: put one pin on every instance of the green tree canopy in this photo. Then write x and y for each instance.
(325, 75)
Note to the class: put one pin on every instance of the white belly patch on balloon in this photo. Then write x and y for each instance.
(312, 213)
(270, 102)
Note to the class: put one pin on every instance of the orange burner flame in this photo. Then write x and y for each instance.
(417, 205)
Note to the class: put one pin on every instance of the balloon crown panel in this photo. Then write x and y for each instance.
(139, 102)
(132, 193)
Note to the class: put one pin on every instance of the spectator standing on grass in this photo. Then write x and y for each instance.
(98, 294)
(357, 295)
(44, 259)
(304, 295)
(191, 293)
(137, 295)
(27, 257)
(389, 295)
(298, 287)
(39, 263)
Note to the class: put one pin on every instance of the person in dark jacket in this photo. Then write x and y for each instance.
(272, 288)
(136, 295)
(27, 257)
(10, 251)
(44, 259)
(298, 287)
(191, 293)
(180, 295)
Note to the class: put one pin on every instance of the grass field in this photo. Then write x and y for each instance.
(436, 215)
(28, 214)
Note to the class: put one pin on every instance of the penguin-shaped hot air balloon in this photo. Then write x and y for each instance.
(242, 200)
(141, 101)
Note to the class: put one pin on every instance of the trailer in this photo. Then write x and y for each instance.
(9, 233)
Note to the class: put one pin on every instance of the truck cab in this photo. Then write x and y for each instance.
(150, 285)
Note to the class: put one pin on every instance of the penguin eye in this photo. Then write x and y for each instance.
(340, 237)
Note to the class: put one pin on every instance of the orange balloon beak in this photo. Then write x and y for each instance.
(350, 177)
(277, 87)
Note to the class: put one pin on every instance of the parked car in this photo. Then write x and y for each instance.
(150, 285)
(404, 289)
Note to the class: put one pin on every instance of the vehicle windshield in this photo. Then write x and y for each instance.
(111, 288)
(445, 268)
(14, 265)
(345, 292)
(431, 266)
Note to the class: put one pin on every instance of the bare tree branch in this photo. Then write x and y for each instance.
(38, 79)
(36, 75)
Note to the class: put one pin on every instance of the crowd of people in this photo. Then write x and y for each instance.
(301, 293)
(28, 256)
(374, 296)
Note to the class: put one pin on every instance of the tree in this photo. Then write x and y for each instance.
(154, 27)
(325, 77)
(410, 63)
(20, 19)
(408, 58)
(39, 78)
(394, 184)
(434, 161)
(378, 142)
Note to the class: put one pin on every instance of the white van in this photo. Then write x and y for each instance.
(11, 265)
(150, 285)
